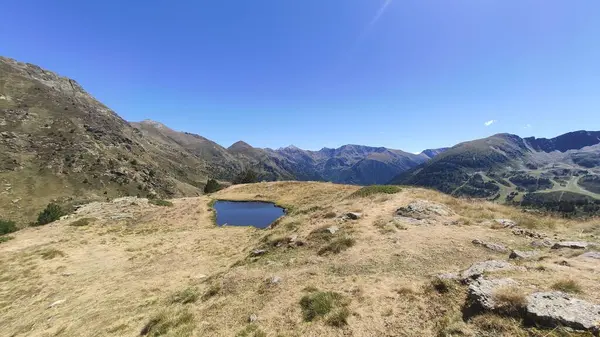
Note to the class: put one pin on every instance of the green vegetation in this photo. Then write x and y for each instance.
(375, 189)
(82, 222)
(567, 286)
(529, 183)
(189, 295)
(330, 305)
(212, 186)
(177, 323)
(7, 227)
(5, 238)
(245, 177)
(160, 202)
(52, 213)
(565, 202)
(590, 183)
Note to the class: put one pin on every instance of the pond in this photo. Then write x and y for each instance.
(252, 213)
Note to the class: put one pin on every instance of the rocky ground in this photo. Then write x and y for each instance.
(414, 263)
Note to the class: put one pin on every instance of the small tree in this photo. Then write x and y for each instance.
(246, 177)
(211, 186)
(52, 213)
(7, 227)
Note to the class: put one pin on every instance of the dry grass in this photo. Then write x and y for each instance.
(171, 270)
(511, 301)
(567, 286)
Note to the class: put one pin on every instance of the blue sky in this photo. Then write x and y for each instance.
(406, 74)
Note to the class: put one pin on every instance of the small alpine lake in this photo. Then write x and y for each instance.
(258, 214)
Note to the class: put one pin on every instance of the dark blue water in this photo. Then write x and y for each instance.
(255, 213)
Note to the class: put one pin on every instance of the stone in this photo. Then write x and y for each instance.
(506, 223)
(523, 255)
(527, 232)
(292, 238)
(259, 252)
(54, 304)
(552, 309)
(542, 243)
(491, 246)
(253, 318)
(448, 276)
(274, 280)
(353, 216)
(333, 229)
(481, 292)
(423, 209)
(571, 244)
(591, 255)
(477, 269)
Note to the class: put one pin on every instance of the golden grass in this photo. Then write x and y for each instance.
(170, 271)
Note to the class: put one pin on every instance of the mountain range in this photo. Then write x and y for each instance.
(58, 143)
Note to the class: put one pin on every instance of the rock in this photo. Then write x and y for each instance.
(481, 293)
(591, 255)
(477, 269)
(506, 223)
(274, 280)
(56, 303)
(258, 252)
(527, 232)
(448, 276)
(523, 255)
(253, 318)
(353, 216)
(333, 229)
(542, 243)
(422, 209)
(292, 238)
(67, 274)
(571, 244)
(491, 246)
(552, 309)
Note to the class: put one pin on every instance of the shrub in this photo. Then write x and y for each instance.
(337, 245)
(375, 189)
(567, 286)
(211, 186)
(189, 295)
(5, 238)
(7, 227)
(246, 177)
(320, 304)
(160, 202)
(52, 213)
(178, 323)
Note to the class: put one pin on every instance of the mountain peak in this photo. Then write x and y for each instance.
(240, 146)
(155, 124)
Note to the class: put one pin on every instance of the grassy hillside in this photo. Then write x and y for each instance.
(127, 267)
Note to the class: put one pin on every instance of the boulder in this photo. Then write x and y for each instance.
(423, 209)
(274, 280)
(506, 223)
(353, 216)
(552, 309)
(527, 232)
(477, 269)
(591, 255)
(571, 244)
(491, 246)
(523, 255)
(481, 293)
(544, 243)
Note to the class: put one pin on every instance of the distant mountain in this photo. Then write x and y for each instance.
(506, 167)
(430, 153)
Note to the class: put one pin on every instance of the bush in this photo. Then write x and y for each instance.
(52, 213)
(567, 286)
(160, 202)
(189, 295)
(375, 189)
(5, 238)
(211, 186)
(337, 245)
(320, 304)
(7, 227)
(246, 177)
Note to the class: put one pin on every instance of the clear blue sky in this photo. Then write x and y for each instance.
(407, 74)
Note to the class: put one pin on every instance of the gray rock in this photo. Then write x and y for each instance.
(553, 309)
(481, 292)
(333, 229)
(423, 209)
(491, 246)
(292, 238)
(506, 223)
(542, 243)
(258, 252)
(523, 255)
(253, 318)
(448, 276)
(571, 244)
(477, 269)
(353, 216)
(527, 232)
(591, 255)
(274, 280)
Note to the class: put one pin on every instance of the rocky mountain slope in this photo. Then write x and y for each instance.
(414, 263)
(507, 166)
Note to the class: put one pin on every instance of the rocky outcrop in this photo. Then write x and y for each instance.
(552, 309)
(482, 292)
(477, 269)
(591, 255)
(423, 209)
(571, 244)
(491, 246)
(523, 255)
